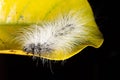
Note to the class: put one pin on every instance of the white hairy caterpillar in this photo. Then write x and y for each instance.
(62, 35)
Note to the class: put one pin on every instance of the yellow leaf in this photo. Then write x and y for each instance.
(16, 15)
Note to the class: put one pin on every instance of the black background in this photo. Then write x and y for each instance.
(90, 64)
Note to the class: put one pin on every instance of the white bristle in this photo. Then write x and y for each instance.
(61, 34)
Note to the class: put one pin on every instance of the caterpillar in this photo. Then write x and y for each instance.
(59, 35)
